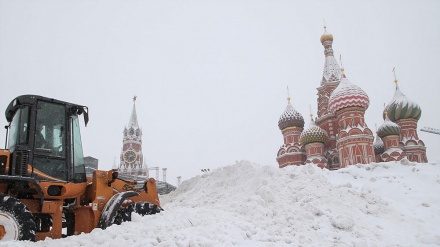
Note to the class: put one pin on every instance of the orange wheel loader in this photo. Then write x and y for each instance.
(44, 190)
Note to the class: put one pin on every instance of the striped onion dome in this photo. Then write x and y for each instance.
(401, 107)
(379, 148)
(388, 128)
(313, 134)
(347, 95)
(290, 118)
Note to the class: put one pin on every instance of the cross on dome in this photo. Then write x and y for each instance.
(395, 78)
(342, 67)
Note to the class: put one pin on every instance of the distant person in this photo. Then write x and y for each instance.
(40, 141)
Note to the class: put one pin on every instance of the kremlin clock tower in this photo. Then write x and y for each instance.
(131, 158)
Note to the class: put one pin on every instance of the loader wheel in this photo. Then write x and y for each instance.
(43, 222)
(154, 209)
(141, 208)
(16, 221)
(124, 214)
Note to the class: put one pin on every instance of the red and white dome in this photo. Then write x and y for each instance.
(347, 95)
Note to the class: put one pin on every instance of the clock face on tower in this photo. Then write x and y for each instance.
(130, 156)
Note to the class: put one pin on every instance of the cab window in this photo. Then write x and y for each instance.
(50, 140)
(19, 127)
(50, 129)
(79, 172)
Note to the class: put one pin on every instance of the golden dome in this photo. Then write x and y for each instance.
(326, 36)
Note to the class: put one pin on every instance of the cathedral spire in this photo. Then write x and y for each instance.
(133, 118)
(332, 72)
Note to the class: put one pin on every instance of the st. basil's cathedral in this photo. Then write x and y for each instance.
(339, 136)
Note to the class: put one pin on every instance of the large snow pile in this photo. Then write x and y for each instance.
(386, 204)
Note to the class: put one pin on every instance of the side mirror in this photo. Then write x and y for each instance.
(78, 110)
(86, 115)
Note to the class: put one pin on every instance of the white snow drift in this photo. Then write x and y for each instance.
(384, 204)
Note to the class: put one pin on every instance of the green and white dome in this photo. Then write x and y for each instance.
(401, 107)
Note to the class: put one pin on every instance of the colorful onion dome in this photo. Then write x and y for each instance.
(401, 107)
(347, 95)
(290, 118)
(388, 128)
(326, 36)
(313, 134)
(379, 148)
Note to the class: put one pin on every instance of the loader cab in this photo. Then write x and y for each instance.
(44, 139)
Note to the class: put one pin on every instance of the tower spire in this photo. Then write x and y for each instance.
(288, 95)
(332, 72)
(133, 117)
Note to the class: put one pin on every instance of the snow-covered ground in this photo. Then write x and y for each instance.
(384, 204)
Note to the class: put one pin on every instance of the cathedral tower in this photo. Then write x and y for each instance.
(291, 124)
(331, 78)
(355, 140)
(406, 114)
(131, 158)
(389, 132)
(314, 139)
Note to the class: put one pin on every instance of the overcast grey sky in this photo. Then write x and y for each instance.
(211, 76)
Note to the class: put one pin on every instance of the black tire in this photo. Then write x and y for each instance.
(154, 210)
(43, 222)
(17, 220)
(123, 215)
(141, 208)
